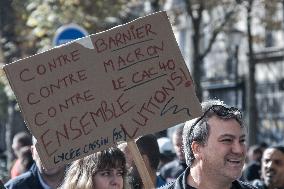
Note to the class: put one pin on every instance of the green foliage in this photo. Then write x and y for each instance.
(39, 19)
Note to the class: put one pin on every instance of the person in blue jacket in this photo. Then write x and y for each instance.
(38, 177)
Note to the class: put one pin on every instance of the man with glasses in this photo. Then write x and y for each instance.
(214, 146)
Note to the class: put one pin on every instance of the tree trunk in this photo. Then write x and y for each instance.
(8, 137)
(197, 72)
(251, 84)
(7, 31)
(197, 60)
(10, 52)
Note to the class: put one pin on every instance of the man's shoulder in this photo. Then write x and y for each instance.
(172, 163)
(242, 185)
(177, 183)
(236, 185)
(22, 181)
(258, 184)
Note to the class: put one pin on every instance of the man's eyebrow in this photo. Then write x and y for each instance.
(243, 136)
(231, 136)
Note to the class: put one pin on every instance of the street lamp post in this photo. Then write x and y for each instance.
(235, 37)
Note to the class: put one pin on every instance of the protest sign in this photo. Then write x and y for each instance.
(116, 85)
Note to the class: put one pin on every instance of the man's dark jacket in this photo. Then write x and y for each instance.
(259, 184)
(173, 169)
(28, 180)
(181, 183)
(252, 171)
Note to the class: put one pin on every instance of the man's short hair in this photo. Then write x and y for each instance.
(278, 147)
(255, 151)
(201, 130)
(23, 138)
(179, 130)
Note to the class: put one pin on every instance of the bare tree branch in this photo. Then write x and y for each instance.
(189, 8)
(217, 30)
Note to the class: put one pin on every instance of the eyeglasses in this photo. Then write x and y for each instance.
(220, 111)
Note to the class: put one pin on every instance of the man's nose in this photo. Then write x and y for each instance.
(269, 164)
(238, 148)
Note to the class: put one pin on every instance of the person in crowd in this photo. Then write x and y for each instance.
(20, 140)
(149, 150)
(214, 146)
(25, 159)
(263, 146)
(166, 151)
(102, 170)
(38, 177)
(252, 170)
(173, 169)
(272, 169)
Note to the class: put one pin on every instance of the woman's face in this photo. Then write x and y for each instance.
(108, 179)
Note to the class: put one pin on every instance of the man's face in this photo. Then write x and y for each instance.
(46, 172)
(273, 168)
(224, 154)
(16, 146)
(178, 146)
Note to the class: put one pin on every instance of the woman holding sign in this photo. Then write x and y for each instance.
(102, 170)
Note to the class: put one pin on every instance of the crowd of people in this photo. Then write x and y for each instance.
(210, 152)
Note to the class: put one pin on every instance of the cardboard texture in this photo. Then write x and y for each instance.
(116, 85)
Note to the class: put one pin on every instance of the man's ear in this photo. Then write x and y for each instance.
(196, 149)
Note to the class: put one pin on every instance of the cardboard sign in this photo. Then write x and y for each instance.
(116, 85)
